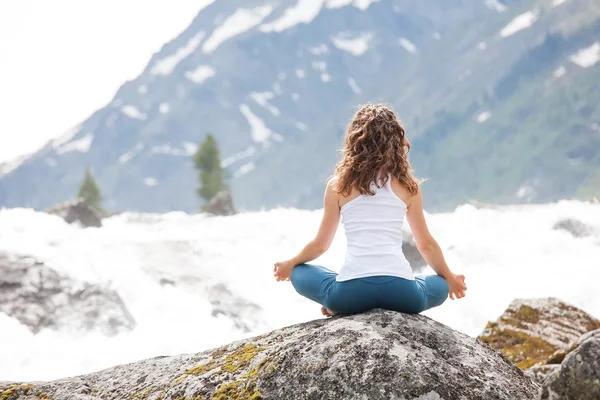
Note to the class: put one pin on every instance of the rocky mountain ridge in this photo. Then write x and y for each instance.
(476, 82)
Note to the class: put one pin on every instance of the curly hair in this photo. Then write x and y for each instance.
(374, 149)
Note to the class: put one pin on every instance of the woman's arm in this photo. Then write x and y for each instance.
(430, 249)
(319, 245)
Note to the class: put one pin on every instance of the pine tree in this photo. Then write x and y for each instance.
(207, 161)
(90, 192)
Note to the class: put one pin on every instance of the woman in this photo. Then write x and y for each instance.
(373, 190)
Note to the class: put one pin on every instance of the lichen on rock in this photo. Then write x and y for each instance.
(533, 331)
(578, 376)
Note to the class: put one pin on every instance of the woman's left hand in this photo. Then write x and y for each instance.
(282, 270)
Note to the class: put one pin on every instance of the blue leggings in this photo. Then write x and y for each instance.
(363, 294)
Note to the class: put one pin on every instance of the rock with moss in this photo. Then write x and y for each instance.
(533, 331)
(41, 298)
(375, 355)
(578, 376)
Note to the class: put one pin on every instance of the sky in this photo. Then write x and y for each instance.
(61, 60)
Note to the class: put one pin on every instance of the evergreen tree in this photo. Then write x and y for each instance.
(90, 192)
(207, 161)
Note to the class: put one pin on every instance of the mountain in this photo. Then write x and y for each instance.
(500, 100)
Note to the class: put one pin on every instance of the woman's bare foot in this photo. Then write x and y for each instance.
(328, 313)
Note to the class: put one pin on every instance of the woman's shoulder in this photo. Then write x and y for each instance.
(403, 192)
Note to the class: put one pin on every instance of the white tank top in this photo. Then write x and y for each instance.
(373, 226)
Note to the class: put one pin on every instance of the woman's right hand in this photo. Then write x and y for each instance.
(456, 286)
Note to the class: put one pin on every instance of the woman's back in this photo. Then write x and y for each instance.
(375, 273)
(373, 226)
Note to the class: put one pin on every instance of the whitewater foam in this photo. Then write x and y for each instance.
(505, 253)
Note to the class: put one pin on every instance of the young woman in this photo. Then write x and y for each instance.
(373, 191)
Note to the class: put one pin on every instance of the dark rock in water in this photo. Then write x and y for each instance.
(40, 298)
(375, 355)
(166, 282)
(77, 211)
(578, 376)
(220, 204)
(532, 331)
(574, 227)
(412, 254)
(236, 308)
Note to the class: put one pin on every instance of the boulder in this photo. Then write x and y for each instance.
(77, 211)
(375, 355)
(534, 331)
(575, 227)
(220, 204)
(578, 376)
(39, 297)
(412, 254)
(540, 372)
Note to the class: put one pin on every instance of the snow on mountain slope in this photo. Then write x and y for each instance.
(242, 20)
(253, 75)
(356, 46)
(588, 56)
(284, 84)
(166, 65)
(520, 22)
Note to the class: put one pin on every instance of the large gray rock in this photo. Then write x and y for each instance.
(575, 227)
(220, 204)
(40, 298)
(77, 211)
(540, 372)
(578, 377)
(376, 355)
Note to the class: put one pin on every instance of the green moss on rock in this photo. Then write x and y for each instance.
(491, 325)
(522, 332)
(239, 390)
(521, 348)
(236, 360)
(142, 394)
(15, 392)
(528, 314)
(557, 357)
(241, 358)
